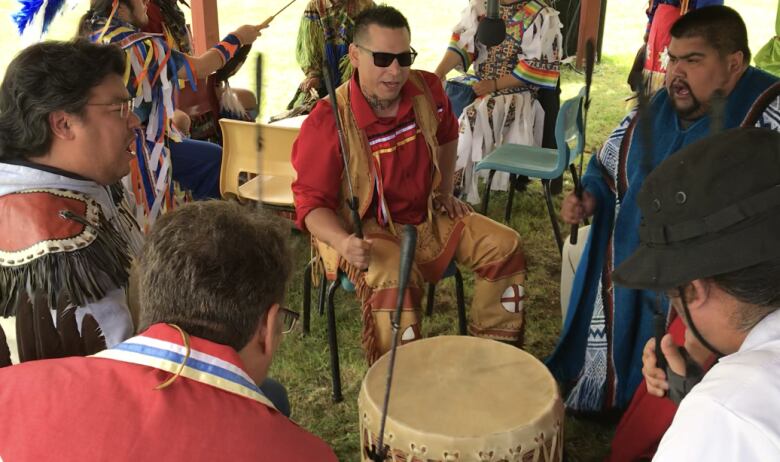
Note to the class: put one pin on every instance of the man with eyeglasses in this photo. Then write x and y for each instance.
(186, 387)
(401, 139)
(66, 136)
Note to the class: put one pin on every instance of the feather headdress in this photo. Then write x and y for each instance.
(32, 8)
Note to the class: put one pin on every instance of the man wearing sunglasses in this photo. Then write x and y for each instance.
(185, 388)
(66, 131)
(401, 138)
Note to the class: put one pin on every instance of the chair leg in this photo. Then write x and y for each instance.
(551, 211)
(556, 185)
(486, 197)
(461, 302)
(321, 301)
(333, 344)
(510, 198)
(306, 297)
(429, 300)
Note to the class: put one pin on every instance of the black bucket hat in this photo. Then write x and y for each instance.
(711, 208)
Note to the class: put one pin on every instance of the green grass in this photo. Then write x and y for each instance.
(302, 363)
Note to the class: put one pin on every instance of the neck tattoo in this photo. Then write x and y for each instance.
(378, 104)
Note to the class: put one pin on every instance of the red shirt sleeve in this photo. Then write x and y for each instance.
(317, 161)
(448, 123)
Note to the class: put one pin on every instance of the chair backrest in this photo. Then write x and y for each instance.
(568, 129)
(276, 151)
(242, 152)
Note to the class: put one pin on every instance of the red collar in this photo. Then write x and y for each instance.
(364, 115)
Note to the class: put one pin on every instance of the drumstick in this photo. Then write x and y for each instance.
(271, 18)
(258, 130)
(352, 200)
(646, 165)
(659, 330)
(590, 58)
(408, 244)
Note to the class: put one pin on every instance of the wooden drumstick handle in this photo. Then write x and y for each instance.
(590, 60)
(265, 23)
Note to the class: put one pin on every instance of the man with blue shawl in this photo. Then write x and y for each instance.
(598, 356)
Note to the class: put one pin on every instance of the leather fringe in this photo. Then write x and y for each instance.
(84, 275)
(363, 292)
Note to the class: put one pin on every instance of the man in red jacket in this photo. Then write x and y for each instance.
(401, 139)
(213, 275)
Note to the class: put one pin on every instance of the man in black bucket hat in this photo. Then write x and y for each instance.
(710, 239)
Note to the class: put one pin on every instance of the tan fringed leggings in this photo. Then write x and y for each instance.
(491, 250)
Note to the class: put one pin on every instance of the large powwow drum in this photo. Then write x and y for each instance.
(463, 399)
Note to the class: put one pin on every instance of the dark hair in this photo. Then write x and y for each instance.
(97, 9)
(47, 77)
(382, 15)
(719, 26)
(756, 287)
(213, 268)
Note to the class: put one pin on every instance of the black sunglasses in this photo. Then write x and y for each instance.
(382, 59)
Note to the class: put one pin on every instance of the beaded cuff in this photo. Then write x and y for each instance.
(228, 47)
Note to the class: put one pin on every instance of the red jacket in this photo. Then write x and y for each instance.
(104, 409)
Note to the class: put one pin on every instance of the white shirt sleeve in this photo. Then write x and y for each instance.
(704, 429)
(464, 35)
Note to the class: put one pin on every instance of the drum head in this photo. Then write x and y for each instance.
(465, 392)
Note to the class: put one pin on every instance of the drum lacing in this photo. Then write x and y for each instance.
(418, 450)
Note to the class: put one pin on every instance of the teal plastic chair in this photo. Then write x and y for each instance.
(543, 163)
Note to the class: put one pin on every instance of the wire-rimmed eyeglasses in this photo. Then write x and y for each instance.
(289, 319)
(125, 107)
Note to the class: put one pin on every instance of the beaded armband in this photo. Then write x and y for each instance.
(228, 47)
